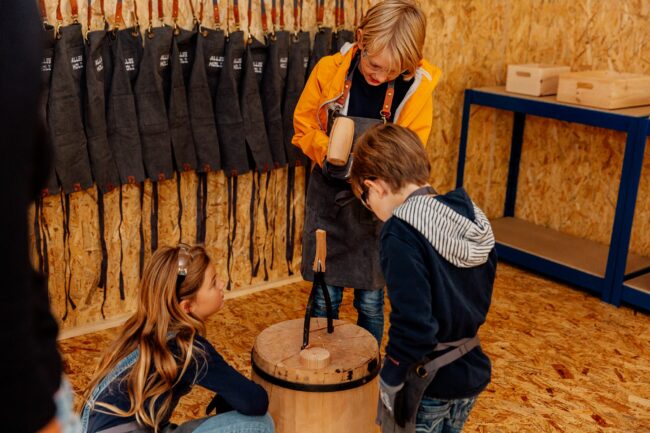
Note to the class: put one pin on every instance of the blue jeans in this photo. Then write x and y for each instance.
(368, 303)
(443, 416)
(235, 422)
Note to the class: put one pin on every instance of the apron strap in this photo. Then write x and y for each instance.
(388, 102)
(103, 267)
(235, 13)
(41, 5)
(175, 15)
(119, 19)
(461, 348)
(320, 12)
(215, 14)
(385, 112)
(265, 24)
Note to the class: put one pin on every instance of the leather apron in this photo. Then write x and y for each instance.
(352, 230)
(418, 378)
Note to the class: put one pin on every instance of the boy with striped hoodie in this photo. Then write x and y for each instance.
(438, 258)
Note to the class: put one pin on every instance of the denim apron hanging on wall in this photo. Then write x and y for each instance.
(151, 90)
(104, 169)
(52, 185)
(121, 116)
(250, 102)
(272, 88)
(322, 40)
(295, 82)
(201, 94)
(98, 80)
(341, 36)
(65, 120)
(230, 125)
(182, 58)
(256, 139)
(49, 41)
(65, 116)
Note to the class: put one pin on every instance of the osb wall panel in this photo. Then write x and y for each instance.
(569, 173)
(257, 233)
(568, 178)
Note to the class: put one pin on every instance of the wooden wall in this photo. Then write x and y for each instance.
(569, 173)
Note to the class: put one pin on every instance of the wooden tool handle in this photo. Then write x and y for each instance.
(321, 251)
(341, 140)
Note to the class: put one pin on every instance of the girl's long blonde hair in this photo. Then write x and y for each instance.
(159, 319)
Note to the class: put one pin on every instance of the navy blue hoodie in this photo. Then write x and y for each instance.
(439, 261)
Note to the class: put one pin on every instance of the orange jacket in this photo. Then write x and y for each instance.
(325, 84)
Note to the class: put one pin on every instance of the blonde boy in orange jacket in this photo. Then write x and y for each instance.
(381, 77)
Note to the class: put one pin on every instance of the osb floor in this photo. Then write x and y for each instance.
(563, 361)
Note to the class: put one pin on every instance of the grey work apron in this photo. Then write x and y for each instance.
(182, 58)
(98, 78)
(151, 89)
(121, 114)
(65, 114)
(322, 39)
(104, 169)
(352, 230)
(250, 103)
(418, 378)
(201, 95)
(322, 47)
(230, 125)
(272, 90)
(49, 41)
(295, 82)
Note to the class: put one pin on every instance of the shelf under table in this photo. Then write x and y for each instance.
(580, 254)
(640, 283)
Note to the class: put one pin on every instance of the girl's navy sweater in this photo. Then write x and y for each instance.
(210, 371)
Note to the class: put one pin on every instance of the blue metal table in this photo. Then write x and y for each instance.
(609, 271)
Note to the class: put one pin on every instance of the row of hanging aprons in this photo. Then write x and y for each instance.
(123, 106)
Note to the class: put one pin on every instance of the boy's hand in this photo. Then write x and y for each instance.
(388, 394)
